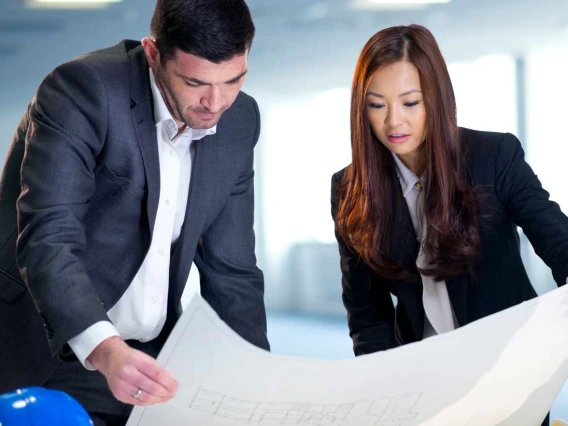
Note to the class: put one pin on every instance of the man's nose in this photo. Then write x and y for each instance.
(213, 100)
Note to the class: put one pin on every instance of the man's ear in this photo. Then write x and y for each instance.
(151, 52)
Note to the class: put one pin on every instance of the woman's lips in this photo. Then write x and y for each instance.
(398, 138)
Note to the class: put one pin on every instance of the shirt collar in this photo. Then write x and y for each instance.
(162, 114)
(406, 178)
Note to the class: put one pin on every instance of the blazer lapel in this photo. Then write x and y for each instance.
(404, 243)
(404, 248)
(206, 166)
(143, 115)
(457, 290)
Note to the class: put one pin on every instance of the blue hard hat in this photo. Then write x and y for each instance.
(36, 406)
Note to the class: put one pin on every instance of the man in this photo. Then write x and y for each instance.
(130, 163)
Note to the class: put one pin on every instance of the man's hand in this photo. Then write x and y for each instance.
(128, 370)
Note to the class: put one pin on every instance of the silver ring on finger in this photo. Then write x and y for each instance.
(137, 394)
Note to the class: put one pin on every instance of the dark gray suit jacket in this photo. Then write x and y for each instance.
(78, 201)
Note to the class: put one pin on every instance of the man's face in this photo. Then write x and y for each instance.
(196, 91)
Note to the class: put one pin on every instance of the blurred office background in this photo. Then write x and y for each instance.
(509, 64)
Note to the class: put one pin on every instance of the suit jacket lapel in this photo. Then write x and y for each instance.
(457, 290)
(207, 165)
(404, 248)
(143, 115)
(406, 252)
(404, 243)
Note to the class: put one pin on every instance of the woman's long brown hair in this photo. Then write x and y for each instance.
(369, 199)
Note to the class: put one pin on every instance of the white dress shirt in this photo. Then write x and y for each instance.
(140, 313)
(439, 314)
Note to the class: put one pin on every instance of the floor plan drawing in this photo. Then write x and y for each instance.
(385, 411)
(474, 375)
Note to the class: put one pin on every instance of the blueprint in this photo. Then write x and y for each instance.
(503, 370)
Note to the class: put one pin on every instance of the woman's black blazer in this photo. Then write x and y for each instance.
(511, 196)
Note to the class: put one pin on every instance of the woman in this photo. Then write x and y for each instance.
(428, 211)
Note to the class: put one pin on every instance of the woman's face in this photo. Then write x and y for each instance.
(396, 111)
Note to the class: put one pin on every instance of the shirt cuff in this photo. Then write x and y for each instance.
(84, 343)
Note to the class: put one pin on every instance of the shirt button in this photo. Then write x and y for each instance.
(161, 250)
(154, 299)
(418, 185)
(172, 152)
(167, 202)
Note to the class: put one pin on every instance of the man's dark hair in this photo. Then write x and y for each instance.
(215, 30)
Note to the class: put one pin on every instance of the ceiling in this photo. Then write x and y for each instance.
(300, 44)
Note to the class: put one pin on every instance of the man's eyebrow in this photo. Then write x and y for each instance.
(205, 83)
(237, 78)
